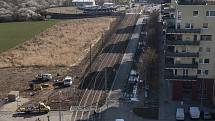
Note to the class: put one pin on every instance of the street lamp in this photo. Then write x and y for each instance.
(60, 114)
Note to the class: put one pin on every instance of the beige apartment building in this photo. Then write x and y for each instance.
(190, 49)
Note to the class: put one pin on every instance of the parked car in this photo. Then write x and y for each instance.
(119, 120)
(179, 116)
(206, 115)
(213, 113)
(194, 112)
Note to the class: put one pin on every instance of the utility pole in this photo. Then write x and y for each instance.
(105, 79)
(90, 56)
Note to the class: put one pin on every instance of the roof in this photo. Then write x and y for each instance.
(14, 93)
(196, 2)
(83, 1)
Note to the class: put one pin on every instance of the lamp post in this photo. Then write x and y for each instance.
(60, 114)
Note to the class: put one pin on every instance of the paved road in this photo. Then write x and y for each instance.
(119, 109)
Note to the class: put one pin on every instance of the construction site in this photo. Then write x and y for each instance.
(71, 66)
(78, 67)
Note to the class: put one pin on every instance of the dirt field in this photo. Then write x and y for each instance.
(64, 44)
(59, 50)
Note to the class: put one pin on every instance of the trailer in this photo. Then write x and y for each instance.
(34, 108)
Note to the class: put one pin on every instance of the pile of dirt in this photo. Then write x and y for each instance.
(64, 44)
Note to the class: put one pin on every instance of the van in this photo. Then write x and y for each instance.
(179, 114)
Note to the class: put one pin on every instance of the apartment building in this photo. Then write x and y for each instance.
(190, 49)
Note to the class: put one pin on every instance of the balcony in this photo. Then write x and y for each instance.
(182, 42)
(171, 66)
(195, 2)
(185, 78)
(180, 31)
(182, 54)
(168, 17)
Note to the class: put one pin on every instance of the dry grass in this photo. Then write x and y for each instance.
(64, 44)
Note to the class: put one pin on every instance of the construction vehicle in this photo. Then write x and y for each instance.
(37, 86)
(43, 77)
(34, 108)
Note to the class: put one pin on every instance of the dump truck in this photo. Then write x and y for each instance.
(34, 108)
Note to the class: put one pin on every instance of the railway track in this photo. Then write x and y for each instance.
(96, 87)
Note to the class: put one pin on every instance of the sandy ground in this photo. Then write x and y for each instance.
(64, 44)
(12, 106)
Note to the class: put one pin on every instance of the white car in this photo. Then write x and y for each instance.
(194, 112)
(67, 81)
(179, 116)
(119, 120)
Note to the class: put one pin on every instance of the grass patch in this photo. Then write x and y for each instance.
(14, 33)
(149, 113)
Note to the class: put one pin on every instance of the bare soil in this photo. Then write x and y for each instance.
(59, 50)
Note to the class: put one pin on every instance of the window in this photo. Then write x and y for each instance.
(183, 49)
(195, 13)
(175, 73)
(179, 15)
(208, 49)
(199, 71)
(185, 72)
(200, 60)
(206, 37)
(210, 13)
(188, 26)
(179, 37)
(206, 60)
(207, 13)
(194, 37)
(205, 26)
(206, 72)
(200, 49)
(178, 25)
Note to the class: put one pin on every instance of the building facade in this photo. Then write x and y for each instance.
(190, 50)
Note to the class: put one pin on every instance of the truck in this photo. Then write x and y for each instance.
(194, 112)
(66, 82)
(179, 116)
(44, 77)
(34, 108)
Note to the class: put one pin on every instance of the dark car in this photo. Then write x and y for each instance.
(206, 115)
